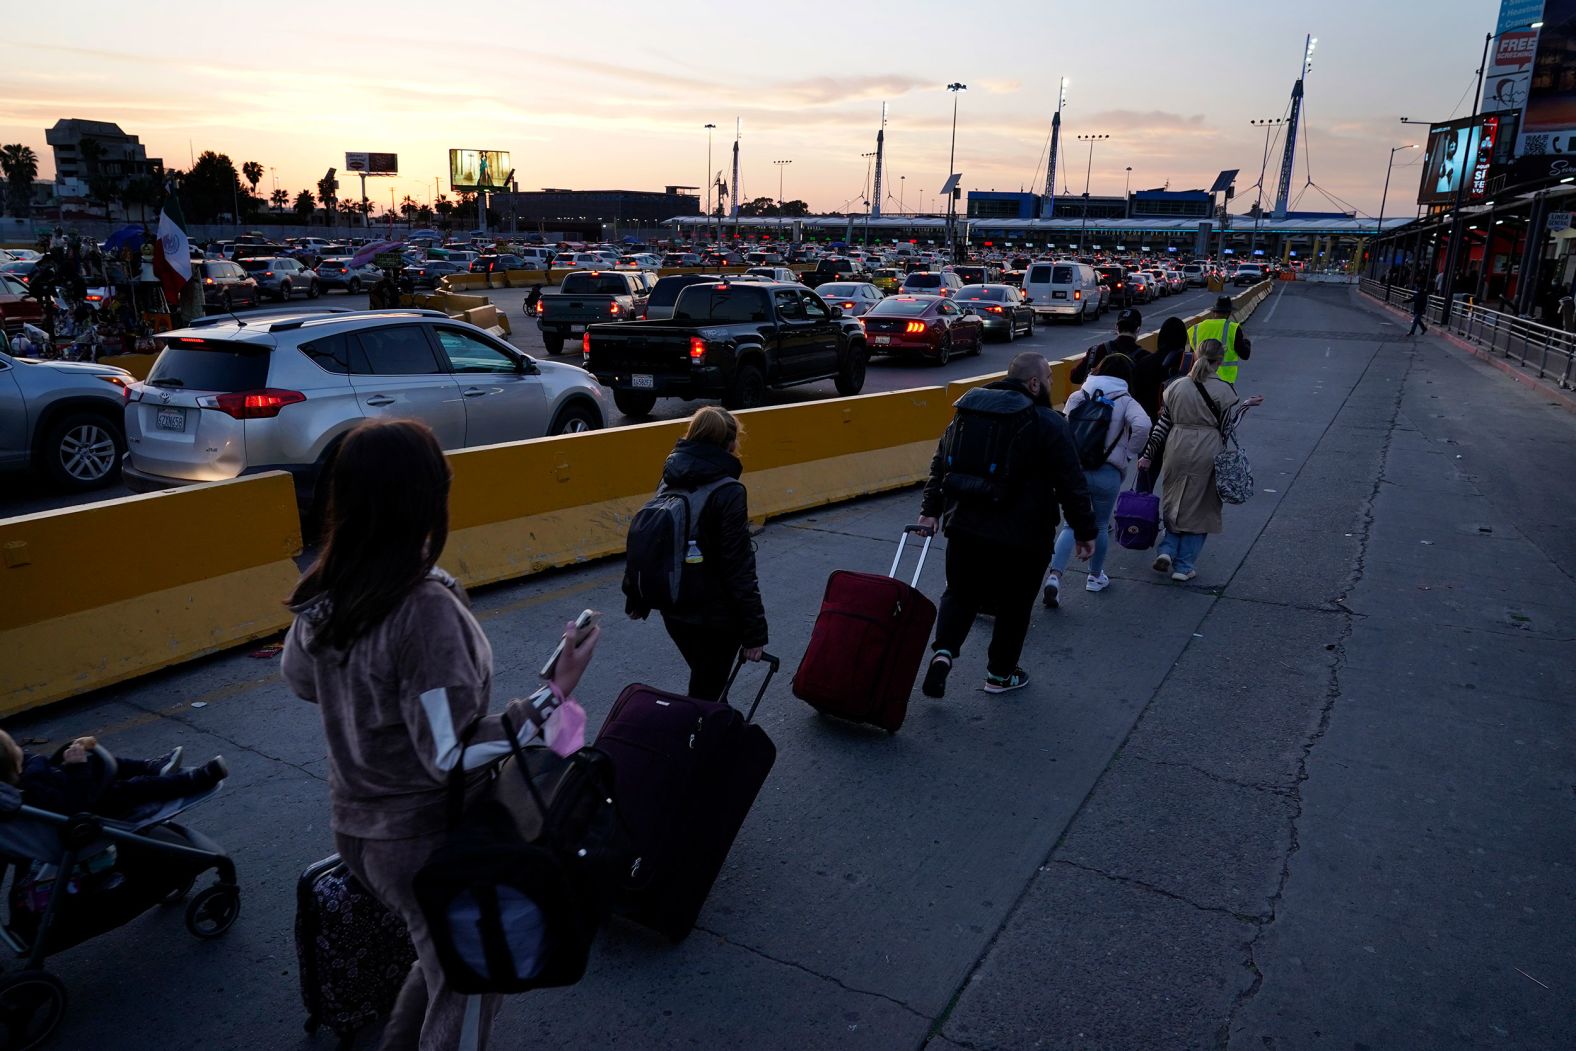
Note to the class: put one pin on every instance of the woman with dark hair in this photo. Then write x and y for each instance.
(384, 643)
(720, 611)
(1171, 345)
(1125, 435)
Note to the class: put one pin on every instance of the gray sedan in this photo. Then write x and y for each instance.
(63, 418)
(854, 298)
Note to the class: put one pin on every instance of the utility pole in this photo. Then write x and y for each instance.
(710, 176)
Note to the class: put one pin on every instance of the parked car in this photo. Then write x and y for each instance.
(1000, 308)
(933, 327)
(853, 298)
(279, 392)
(225, 285)
(338, 273)
(281, 277)
(62, 418)
(931, 283)
(1064, 288)
(588, 296)
(730, 340)
(17, 307)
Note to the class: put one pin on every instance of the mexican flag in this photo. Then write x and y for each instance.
(172, 252)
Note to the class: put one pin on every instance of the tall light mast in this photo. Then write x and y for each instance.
(1048, 204)
(875, 197)
(1283, 191)
(734, 214)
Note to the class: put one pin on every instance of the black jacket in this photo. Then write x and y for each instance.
(1149, 378)
(729, 595)
(1045, 474)
(65, 788)
(1124, 343)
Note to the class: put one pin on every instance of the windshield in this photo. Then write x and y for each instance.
(839, 288)
(1061, 275)
(210, 364)
(903, 305)
(981, 292)
(667, 290)
(257, 264)
(923, 281)
(722, 303)
(582, 284)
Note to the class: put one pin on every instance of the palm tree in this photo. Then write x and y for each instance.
(304, 205)
(253, 172)
(20, 166)
(279, 198)
(408, 207)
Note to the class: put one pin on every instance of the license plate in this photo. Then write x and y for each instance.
(575, 330)
(643, 382)
(1058, 295)
(880, 339)
(172, 419)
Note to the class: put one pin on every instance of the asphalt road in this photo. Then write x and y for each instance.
(24, 494)
(1319, 798)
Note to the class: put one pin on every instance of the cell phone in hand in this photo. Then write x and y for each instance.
(583, 625)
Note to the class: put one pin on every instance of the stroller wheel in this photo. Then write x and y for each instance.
(213, 911)
(31, 1006)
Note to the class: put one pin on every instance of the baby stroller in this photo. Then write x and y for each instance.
(78, 876)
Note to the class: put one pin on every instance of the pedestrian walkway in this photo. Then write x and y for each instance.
(1321, 796)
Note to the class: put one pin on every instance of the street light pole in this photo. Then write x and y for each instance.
(1268, 124)
(780, 166)
(901, 184)
(1379, 228)
(952, 152)
(709, 129)
(1127, 194)
(1088, 172)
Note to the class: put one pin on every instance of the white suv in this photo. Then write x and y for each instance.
(232, 396)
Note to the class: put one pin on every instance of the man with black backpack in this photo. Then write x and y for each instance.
(1003, 468)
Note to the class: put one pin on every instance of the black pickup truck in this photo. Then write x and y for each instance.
(729, 340)
(588, 296)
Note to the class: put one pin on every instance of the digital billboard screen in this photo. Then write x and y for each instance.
(1461, 151)
(372, 163)
(478, 169)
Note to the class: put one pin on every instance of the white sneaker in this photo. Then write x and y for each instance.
(1162, 564)
(1183, 577)
(1099, 583)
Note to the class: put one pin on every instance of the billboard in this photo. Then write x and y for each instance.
(1460, 151)
(372, 163)
(478, 169)
(1509, 72)
(1548, 122)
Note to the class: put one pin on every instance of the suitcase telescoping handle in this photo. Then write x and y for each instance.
(772, 664)
(903, 540)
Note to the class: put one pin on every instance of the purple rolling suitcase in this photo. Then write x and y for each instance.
(685, 773)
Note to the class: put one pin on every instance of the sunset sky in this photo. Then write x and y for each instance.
(614, 94)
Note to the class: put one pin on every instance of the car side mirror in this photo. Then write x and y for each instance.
(526, 366)
(837, 311)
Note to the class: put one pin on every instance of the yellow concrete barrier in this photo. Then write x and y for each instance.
(101, 593)
(520, 508)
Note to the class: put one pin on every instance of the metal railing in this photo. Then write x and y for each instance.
(1548, 350)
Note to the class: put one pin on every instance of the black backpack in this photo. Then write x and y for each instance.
(514, 896)
(1088, 424)
(979, 443)
(658, 541)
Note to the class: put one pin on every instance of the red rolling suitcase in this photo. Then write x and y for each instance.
(685, 773)
(867, 644)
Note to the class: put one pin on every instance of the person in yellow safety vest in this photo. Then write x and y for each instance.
(1219, 325)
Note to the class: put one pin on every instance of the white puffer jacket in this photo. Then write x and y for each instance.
(1128, 415)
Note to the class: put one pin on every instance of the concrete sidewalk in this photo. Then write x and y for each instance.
(1322, 797)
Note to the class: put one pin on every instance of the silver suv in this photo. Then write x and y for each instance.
(232, 396)
(63, 418)
(280, 276)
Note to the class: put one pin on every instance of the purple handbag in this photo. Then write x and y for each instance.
(1137, 519)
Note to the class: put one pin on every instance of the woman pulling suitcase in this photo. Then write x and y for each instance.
(717, 610)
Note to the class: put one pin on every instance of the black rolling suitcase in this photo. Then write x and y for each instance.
(354, 954)
(686, 774)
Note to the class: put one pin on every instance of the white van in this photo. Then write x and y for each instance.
(535, 256)
(1063, 288)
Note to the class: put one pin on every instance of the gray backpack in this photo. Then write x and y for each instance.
(660, 535)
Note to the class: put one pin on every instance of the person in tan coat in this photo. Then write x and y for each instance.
(1189, 432)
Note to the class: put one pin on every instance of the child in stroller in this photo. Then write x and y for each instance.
(78, 872)
(65, 783)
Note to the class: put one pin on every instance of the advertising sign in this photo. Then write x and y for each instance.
(1460, 150)
(478, 169)
(1559, 221)
(1509, 72)
(1548, 123)
(372, 163)
(1514, 13)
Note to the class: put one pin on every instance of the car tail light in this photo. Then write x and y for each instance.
(1077, 293)
(612, 308)
(697, 350)
(257, 404)
(994, 310)
(207, 280)
(585, 345)
(268, 273)
(915, 327)
(848, 306)
(541, 307)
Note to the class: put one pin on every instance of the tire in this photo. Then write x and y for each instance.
(576, 419)
(213, 911)
(1012, 330)
(944, 355)
(284, 292)
(32, 1003)
(634, 402)
(313, 290)
(1031, 325)
(851, 378)
(226, 304)
(552, 344)
(354, 288)
(82, 451)
(748, 390)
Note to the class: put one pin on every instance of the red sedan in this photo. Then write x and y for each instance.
(17, 307)
(932, 326)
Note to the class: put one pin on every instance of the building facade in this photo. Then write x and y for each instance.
(89, 150)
